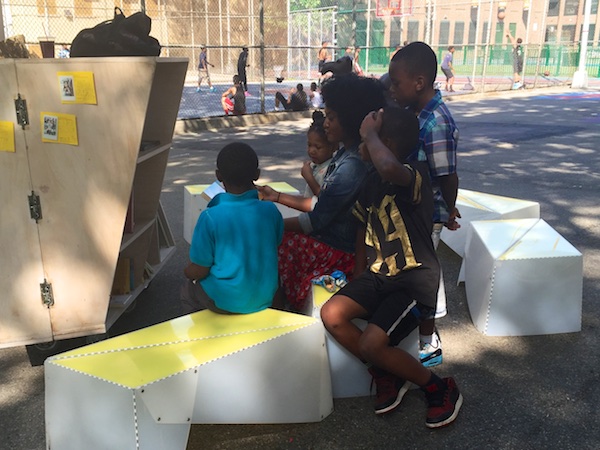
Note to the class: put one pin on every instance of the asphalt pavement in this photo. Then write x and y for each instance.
(525, 392)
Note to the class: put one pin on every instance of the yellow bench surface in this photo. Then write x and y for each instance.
(141, 357)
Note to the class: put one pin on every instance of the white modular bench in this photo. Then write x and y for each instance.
(142, 390)
(194, 202)
(481, 206)
(349, 376)
(522, 278)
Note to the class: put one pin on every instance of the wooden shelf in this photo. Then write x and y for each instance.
(85, 190)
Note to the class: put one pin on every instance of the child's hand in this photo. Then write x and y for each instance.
(267, 193)
(306, 171)
(371, 123)
(452, 224)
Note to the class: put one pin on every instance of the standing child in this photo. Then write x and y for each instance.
(245, 280)
(233, 99)
(320, 152)
(398, 288)
(412, 73)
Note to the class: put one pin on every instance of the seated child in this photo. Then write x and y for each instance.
(316, 99)
(233, 254)
(233, 100)
(399, 286)
(320, 152)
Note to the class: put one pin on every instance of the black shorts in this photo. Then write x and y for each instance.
(391, 303)
(448, 73)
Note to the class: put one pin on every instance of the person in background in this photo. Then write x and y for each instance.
(448, 69)
(225, 281)
(323, 56)
(517, 60)
(241, 67)
(233, 99)
(203, 71)
(316, 99)
(355, 64)
(297, 99)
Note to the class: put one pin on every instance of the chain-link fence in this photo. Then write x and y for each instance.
(284, 36)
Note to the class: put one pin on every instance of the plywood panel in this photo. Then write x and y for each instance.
(85, 189)
(23, 318)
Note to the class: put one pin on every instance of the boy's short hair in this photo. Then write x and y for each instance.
(419, 59)
(236, 79)
(401, 126)
(237, 163)
(352, 98)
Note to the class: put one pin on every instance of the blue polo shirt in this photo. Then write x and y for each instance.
(237, 237)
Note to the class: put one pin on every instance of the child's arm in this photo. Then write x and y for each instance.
(293, 201)
(307, 174)
(389, 167)
(195, 272)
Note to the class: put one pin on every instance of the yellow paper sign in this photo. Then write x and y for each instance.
(59, 128)
(77, 87)
(7, 137)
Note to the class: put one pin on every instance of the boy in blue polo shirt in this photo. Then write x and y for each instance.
(233, 255)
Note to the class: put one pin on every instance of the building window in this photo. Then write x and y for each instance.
(484, 32)
(567, 33)
(591, 33)
(413, 31)
(553, 7)
(444, 32)
(472, 33)
(459, 33)
(571, 7)
(499, 33)
(594, 6)
(551, 34)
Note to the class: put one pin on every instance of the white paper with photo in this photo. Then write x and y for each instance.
(50, 130)
(67, 87)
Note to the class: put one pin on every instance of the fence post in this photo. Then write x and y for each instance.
(261, 25)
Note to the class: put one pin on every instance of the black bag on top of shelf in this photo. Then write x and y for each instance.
(121, 36)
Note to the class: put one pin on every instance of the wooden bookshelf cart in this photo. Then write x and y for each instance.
(82, 222)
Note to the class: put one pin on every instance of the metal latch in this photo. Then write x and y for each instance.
(47, 295)
(35, 207)
(22, 114)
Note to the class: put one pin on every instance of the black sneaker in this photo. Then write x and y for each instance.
(443, 403)
(389, 390)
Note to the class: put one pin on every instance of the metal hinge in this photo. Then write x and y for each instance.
(35, 207)
(47, 295)
(22, 114)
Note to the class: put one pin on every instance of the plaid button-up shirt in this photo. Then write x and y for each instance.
(438, 138)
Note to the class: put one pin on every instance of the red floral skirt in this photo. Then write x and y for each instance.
(302, 258)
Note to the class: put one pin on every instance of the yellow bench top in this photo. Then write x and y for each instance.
(144, 356)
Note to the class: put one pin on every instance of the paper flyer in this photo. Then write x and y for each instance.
(59, 128)
(77, 88)
(7, 137)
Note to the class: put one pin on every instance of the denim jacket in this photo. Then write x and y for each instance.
(331, 220)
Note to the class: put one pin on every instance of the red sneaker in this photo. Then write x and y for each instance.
(389, 390)
(443, 403)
